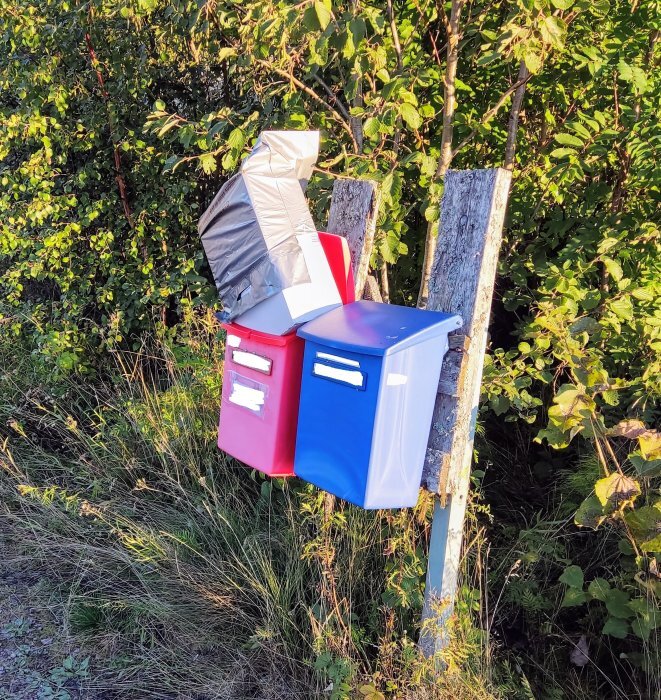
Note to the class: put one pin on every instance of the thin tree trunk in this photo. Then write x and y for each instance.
(512, 127)
(385, 285)
(398, 51)
(445, 159)
(383, 270)
(119, 177)
(357, 122)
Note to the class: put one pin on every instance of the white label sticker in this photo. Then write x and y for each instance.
(338, 359)
(347, 376)
(249, 359)
(247, 397)
(233, 340)
(394, 379)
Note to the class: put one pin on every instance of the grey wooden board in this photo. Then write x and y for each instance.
(353, 212)
(463, 273)
(462, 280)
(371, 291)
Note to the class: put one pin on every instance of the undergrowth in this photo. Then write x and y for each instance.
(195, 577)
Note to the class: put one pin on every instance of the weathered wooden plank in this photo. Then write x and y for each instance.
(353, 212)
(371, 291)
(462, 280)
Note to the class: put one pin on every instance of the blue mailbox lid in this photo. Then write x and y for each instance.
(372, 328)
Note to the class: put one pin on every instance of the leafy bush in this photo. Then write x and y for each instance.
(119, 119)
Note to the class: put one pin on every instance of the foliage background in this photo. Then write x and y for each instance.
(120, 119)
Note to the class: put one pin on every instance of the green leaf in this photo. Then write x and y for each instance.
(611, 397)
(641, 629)
(599, 589)
(371, 127)
(572, 577)
(569, 140)
(171, 163)
(573, 597)
(615, 627)
(571, 411)
(643, 522)
(323, 14)
(236, 139)
(643, 294)
(591, 299)
(614, 268)
(358, 29)
(622, 308)
(553, 31)
(410, 115)
(616, 489)
(617, 604)
(349, 48)
(653, 545)
(533, 61)
(500, 404)
(208, 163)
(633, 74)
(562, 153)
(487, 58)
(600, 7)
(562, 4)
(225, 53)
(587, 324)
(648, 468)
(591, 513)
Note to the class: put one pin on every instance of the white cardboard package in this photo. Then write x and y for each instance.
(272, 178)
(260, 240)
(295, 305)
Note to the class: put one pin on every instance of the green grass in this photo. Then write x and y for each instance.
(195, 577)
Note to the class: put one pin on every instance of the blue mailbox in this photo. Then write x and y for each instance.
(370, 378)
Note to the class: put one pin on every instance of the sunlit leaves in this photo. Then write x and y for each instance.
(553, 30)
(323, 13)
(569, 140)
(570, 414)
(617, 490)
(410, 115)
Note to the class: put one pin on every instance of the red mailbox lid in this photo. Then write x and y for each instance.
(259, 337)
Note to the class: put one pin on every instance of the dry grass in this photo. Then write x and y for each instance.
(190, 575)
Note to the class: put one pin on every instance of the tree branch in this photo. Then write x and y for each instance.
(449, 105)
(340, 107)
(311, 93)
(119, 177)
(491, 113)
(510, 146)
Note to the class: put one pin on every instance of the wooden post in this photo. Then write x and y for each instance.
(462, 281)
(353, 212)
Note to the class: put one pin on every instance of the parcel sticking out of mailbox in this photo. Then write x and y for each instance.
(262, 245)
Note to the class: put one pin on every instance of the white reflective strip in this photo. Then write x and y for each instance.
(338, 359)
(249, 359)
(233, 340)
(247, 397)
(394, 379)
(348, 376)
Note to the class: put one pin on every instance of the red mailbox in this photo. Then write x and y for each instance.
(262, 383)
